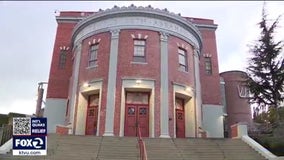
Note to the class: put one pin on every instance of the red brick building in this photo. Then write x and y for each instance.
(116, 69)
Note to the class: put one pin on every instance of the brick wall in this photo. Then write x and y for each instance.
(150, 70)
(100, 72)
(62, 130)
(58, 82)
(210, 84)
(177, 76)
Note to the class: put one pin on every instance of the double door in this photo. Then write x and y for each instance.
(137, 115)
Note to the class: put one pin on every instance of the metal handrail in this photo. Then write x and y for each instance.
(6, 133)
(142, 148)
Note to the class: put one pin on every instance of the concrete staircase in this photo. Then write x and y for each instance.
(126, 148)
(85, 148)
(199, 149)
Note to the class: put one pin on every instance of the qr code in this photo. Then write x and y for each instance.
(22, 126)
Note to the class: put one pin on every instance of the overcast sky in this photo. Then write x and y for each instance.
(27, 33)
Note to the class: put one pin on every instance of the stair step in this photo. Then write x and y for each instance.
(126, 148)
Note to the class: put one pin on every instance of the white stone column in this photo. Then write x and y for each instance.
(164, 99)
(75, 77)
(197, 95)
(111, 88)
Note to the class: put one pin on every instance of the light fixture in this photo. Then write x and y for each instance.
(86, 84)
(138, 81)
(188, 89)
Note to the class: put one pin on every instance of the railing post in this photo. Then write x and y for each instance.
(1, 134)
(238, 130)
(6, 134)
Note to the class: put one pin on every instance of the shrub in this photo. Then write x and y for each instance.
(273, 144)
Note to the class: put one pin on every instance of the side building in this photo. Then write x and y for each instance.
(235, 99)
(115, 70)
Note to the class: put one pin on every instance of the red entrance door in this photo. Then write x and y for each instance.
(136, 115)
(180, 123)
(92, 115)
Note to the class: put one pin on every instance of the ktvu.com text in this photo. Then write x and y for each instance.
(29, 152)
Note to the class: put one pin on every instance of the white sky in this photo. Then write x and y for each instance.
(27, 34)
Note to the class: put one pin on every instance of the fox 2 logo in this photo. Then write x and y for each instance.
(29, 142)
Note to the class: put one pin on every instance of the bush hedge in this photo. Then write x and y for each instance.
(273, 144)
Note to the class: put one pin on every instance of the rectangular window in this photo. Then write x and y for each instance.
(182, 60)
(62, 59)
(139, 51)
(94, 100)
(137, 98)
(93, 55)
(179, 104)
(208, 65)
(243, 91)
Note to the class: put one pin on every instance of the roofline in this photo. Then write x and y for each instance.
(101, 14)
(232, 72)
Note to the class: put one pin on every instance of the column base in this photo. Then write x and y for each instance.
(164, 136)
(108, 134)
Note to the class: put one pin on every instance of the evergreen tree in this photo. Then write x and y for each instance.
(266, 67)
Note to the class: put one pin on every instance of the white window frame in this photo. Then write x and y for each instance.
(243, 91)
(62, 59)
(93, 55)
(139, 53)
(208, 65)
(183, 66)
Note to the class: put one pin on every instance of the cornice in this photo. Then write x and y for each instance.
(133, 10)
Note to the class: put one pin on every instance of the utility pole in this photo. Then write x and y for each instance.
(40, 92)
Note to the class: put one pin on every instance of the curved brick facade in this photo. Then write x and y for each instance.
(237, 106)
(117, 73)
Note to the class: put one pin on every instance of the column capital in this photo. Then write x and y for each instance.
(196, 51)
(77, 48)
(164, 36)
(114, 33)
